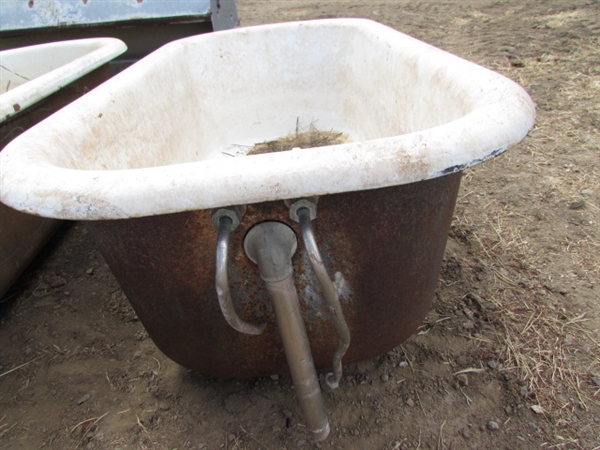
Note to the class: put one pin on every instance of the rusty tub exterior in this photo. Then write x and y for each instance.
(146, 161)
(387, 244)
(156, 166)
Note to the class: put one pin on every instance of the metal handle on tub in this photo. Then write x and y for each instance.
(304, 211)
(226, 220)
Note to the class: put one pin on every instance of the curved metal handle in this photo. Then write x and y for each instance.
(331, 295)
(225, 225)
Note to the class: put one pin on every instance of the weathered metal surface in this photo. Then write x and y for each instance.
(223, 14)
(144, 25)
(387, 244)
(29, 14)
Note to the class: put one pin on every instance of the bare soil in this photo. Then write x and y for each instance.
(508, 358)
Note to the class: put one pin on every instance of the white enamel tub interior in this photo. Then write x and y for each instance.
(170, 133)
(28, 76)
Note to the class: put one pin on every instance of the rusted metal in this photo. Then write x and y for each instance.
(384, 245)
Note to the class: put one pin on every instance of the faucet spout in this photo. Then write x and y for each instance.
(271, 246)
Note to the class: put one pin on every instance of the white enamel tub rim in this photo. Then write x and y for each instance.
(501, 117)
(85, 55)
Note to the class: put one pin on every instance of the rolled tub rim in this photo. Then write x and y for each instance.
(502, 118)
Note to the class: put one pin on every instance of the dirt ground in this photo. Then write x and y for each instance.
(508, 358)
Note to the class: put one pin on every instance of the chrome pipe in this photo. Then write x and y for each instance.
(299, 357)
(271, 246)
(222, 282)
(331, 296)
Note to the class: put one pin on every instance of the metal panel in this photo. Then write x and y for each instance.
(29, 14)
(224, 14)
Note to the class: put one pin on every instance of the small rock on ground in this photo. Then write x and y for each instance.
(493, 425)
